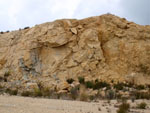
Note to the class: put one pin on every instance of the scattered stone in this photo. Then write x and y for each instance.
(74, 31)
(99, 109)
(31, 85)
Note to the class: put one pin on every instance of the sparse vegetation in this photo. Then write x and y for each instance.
(119, 86)
(110, 94)
(37, 92)
(101, 84)
(81, 80)
(1, 32)
(40, 85)
(141, 95)
(144, 69)
(46, 92)
(84, 96)
(110, 91)
(133, 99)
(11, 92)
(14, 92)
(89, 84)
(140, 87)
(26, 27)
(74, 92)
(70, 80)
(1, 78)
(7, 73)
(26, 93)
(92, 97)
(130, 84)
(123, 108)
(1, 87)
(97, 84)
(142, 105)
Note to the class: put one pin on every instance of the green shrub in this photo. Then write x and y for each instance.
(118, 95)
(141, 95)
(46, 92)
(110, 94)
(14, 92)
(84, 97)
(140, 87)
(89, 84)
(74, 92)
(7, 90)
(112, 81)
(1, 78)
(130, 84)
(11, 92)
(27, 93)
(27, 27)
(133, 98)
(81, 80)
(5, 79)
(97, 84)
(40, 85)
(119, 86)
(7, 73)
(70, 80)
(92, 97)
(148, 86)
(1, 87)
(101, 84)
(142, 105)
(123, 108)
(37, 92)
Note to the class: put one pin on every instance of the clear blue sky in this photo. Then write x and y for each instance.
(15, 14)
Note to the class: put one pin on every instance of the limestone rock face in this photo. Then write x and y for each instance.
(104, 47)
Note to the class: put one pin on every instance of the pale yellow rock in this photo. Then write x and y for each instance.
(104, 47)
(74, 31)
(32, 85)
(63, 86)
(71, 63)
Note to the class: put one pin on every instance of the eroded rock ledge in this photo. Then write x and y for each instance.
(104, 47)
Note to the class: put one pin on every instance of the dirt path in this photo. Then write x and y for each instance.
(15, 104)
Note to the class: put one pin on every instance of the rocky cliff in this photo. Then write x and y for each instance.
(103, 47)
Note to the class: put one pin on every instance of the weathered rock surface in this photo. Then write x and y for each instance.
(104, 47)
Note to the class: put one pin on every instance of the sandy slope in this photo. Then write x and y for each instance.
(15, 104)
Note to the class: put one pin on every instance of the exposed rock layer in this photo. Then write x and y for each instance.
(104, 47)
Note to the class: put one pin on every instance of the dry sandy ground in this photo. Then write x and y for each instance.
(15, 104)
